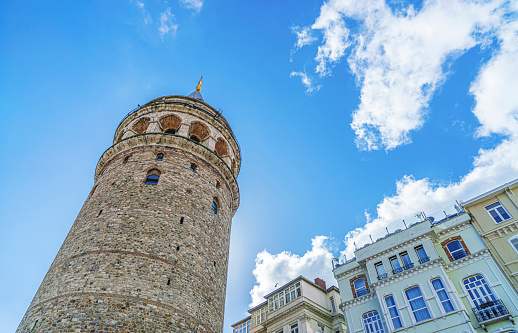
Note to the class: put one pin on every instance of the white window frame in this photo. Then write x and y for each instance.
(333, 305)
(366, 329)
(440, 303)
(458, 250)
(364, 287)
(389, 316)
(409, 307)
(510, 242)
(488, 284)
(294, 328)
(321, 328)
(497, 212)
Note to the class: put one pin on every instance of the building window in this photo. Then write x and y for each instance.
(498, 212)
(244, 327)
(152, 177)
(193, 167)
(215, 206)
(292, 292)
(360, 287)
(514, 242)
(405, 258)
(443, 295)
(479, 291)
(456, 250)
(320, 328)
(421, 254)
(294, 328)
(417, 304)
(381, 271)
(372, 322)
(393, 312)
(126, 159)
(333, 306)
(396, 266)
(159, 157)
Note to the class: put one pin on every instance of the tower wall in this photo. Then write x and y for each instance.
(143, 257)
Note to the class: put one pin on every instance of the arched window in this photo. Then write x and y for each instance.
(478, 290)
(215, 205)
(393, 312)
(141, 126)
(198, 132)
(221, 147)
(417, 303)
(159, 157)
(447, 305)
(152, 177)
(170, 124)
(372, 322)
(126, 159)
(193, 167)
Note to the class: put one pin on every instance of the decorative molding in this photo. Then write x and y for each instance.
(349, 273)
(451, 239)
(357, 301)
(397, 247)
(467, 260)
(455, 229)
(408, 273)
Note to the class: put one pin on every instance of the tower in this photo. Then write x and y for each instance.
(148, 251)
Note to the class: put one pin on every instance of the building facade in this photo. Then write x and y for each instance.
(299, 306)
(432, 276)
(148, 251)
(495, 216)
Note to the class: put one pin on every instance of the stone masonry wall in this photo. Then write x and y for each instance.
(139, 257)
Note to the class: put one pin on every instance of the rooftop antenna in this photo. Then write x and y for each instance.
(371, 239)
(405, 224)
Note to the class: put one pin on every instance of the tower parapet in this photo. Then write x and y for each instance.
(149, 248)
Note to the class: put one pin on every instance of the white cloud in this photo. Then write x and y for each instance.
(306, 81)
(167, 24)
(276, 269)
(399, 57)
(304, 36)
(192, 4)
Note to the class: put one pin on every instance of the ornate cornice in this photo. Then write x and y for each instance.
(395, 248)
(164, 140)
(453, 230)
(302, 305)
(348, 273)
(502, 230)
(467, 260)
(357, 301)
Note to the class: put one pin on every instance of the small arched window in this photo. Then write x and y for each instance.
(215, 205)
(193, 167)
(152, 177)
(170, 131)
(159, 157)
(170, 124)
(198, 132)
(218, 185)
(221, 147)
(126, 159)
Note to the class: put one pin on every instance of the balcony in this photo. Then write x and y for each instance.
(424, 260)
(459, 254)
(491, 312)
(382, 276)
(361, 292)
(404, 268)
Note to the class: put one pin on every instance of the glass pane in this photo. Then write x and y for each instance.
(390, 301)
(359, 284)
(455, 245)
(380, 269)
(406, 258)
(421, 253)
(495, 216)
(502, 212)
(395, 263)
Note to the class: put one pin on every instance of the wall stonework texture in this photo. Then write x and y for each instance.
(147, 258)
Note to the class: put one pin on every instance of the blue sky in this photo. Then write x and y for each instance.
(350, 114)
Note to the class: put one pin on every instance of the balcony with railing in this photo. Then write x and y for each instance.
(491, 312)
(424, 260)
(382, 276)
(459, 254)
(361, 292)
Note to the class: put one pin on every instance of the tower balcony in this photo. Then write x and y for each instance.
(491, 312)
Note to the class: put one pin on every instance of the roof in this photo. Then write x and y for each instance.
(241, 321)
(197, 95)
(495, 191)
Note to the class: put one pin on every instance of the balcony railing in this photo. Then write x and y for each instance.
(408, 266)
(361, 292)
(397, 270)
(490, 310)
(382, 276)
(459, 254)
(404, 268)
(424, 260)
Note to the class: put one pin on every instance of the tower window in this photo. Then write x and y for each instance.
(152, 177)
(100, 212)
(178, 248)
(214, 264)
(218, 185)
(170, 131)
(195, 138)
(215, 205)
(160, 157)
(126, 159)
(168, 282)
(193, 167)
(181, 220)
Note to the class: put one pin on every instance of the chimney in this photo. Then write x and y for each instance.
(321, 283)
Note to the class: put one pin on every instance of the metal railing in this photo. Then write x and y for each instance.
(459, 254)
(424, 260)
(361, 292)
(490, 310)
(382, 276)
(397, 270)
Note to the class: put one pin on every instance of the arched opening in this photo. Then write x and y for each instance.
(198, 132)
(159, 157)
(141, 125)
(193, 167)
(170, 124)
(152, 177)
(221, 147)
(126, 159)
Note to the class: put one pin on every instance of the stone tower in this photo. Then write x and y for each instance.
(148, 251)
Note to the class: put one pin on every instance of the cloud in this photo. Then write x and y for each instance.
(141, 6)
(399, 57)
(304, 36)
(192, 4)
(306, 81)
(167, 23)
(276, 269)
